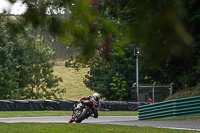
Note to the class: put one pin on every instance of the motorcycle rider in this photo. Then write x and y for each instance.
(94, 104)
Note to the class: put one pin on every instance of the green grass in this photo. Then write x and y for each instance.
(80, 128)
(118, 113)
(4, 114)
(73, 82)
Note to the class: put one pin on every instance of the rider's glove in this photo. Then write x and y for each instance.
(79, 105)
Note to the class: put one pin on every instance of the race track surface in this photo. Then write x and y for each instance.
(65, 119)
(117, 120)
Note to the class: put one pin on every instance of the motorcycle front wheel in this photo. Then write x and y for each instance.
(82, 116)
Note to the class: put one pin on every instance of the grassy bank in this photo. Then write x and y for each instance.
(80, 128)
(190, 92)
(73, 82)
(4, 114)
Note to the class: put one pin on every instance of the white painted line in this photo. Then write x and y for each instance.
(180, 128)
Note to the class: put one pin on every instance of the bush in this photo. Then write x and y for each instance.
(185, 93)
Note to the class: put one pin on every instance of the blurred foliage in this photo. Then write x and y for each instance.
(162, 29)
(107, 32)
(76, 22)
(24, 66)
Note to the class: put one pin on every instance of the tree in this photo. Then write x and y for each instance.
(25, 68)
(161, 28)
(113, 80)
(8, 62)
(161, 31)
(170, 49)
(167, 46)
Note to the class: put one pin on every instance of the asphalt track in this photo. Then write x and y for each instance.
(193, 124)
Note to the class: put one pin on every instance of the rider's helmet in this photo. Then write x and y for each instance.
(96, 97)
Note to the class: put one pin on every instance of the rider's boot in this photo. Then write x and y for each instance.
(72, 120)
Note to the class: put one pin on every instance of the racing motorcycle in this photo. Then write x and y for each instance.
(83, 111)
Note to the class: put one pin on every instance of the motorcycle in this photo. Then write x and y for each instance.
(83, 111)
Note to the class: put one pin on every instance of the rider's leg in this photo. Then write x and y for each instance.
(95, 112)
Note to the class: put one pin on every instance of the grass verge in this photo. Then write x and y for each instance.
(73, 82)
(4, 114)
(80, 128)
(190, 92)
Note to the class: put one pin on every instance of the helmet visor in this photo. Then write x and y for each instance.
(96, 98)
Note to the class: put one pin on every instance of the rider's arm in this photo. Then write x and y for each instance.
(84, 98)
